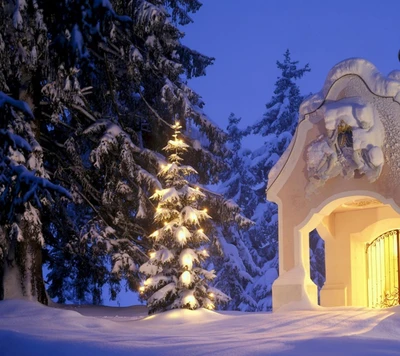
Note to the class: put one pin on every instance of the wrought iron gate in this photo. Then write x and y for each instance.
(383, 270)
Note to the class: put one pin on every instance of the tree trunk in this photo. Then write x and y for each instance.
(22, 273)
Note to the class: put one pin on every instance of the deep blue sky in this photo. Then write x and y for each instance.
(247, 37)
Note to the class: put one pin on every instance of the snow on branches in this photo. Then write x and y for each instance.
(175, 274)
(22, 177)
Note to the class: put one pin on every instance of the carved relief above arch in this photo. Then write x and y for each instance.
(352, 143)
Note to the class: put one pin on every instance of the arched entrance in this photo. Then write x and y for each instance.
(352, 224)
(383, 270)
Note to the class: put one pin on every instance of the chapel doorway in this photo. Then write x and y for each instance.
(383, 265)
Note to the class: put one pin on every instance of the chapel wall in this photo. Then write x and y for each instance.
(299, 205)
(346, 147)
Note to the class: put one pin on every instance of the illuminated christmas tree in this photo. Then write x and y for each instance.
(175, 276)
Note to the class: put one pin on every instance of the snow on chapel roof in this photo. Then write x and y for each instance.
(385, 86)
(378, 84)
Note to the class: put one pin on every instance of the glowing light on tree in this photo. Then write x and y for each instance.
(187, 262)
(181, 235)
(185, 278)
(176, 278)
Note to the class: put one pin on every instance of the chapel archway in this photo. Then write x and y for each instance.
(350, 226)
(348, 223)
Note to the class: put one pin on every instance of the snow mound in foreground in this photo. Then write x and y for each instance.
(53, 318)
(28, 328)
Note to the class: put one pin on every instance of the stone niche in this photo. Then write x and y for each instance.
(341, 175)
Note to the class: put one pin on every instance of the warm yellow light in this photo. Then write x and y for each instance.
(158, 208)
(173, 315)
(211, 295)
(190, 300)
(197, 188)
(177, 123)
(165, 223)
(200, 231)
(205, 210)
(181, 235)
(204, 251)
(162, 166)
(152, 254)
(187, 261)
(185, 278)
(141, 289)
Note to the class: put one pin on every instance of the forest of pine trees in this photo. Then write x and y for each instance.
(107, 162)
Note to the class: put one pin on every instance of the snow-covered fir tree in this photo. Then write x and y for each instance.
(234, 263)
(277, 126)
(176, 277)
(247, 181)
(281, 116)
(25, 188)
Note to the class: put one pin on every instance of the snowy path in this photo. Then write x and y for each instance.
(31, 329)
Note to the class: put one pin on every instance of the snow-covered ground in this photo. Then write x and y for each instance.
(28, 328)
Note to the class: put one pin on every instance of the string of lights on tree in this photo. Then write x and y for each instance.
(175, 274)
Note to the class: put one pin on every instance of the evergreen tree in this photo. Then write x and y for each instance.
(317, 259)
(234, 265)
(234, 262)
(238, 180)
(282, 112)
(175, 275)
(277, 126)
(24, 182)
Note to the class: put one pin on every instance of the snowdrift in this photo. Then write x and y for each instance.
(28, 328)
